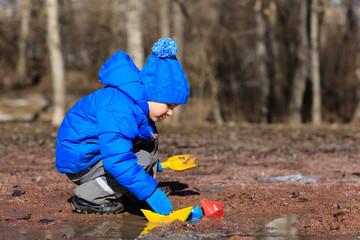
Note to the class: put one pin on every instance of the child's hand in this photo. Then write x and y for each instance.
(159, 167)
(159, 202)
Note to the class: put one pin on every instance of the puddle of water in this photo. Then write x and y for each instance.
(127, 227)
(133, 226)
(22, 233)
(280, 228)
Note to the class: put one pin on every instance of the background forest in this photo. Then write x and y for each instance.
(256, 61)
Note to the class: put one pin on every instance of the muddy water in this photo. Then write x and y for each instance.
(132, 227)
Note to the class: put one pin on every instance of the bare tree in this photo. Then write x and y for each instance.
(164, 33)
(134, 32)
(164, 18)
(118, 31)
(356, 116)
(178, 26)
(352, 38)
(261, 61)
(56, 61)
(214, 85)
(178, 32)
(297, 88)
(275, 67)
(315, 63)
(23, 36)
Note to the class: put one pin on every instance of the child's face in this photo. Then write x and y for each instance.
(159, 111)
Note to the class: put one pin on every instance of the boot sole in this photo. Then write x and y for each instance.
(87, 211)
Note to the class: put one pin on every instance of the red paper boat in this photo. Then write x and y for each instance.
(213, 209)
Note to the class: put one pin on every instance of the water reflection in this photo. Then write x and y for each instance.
(280, 228)
(128, 227)
(150, 226)
(133, 226)
(23, 233)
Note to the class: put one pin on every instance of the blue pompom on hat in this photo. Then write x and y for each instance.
(163, 76)
(165, 48)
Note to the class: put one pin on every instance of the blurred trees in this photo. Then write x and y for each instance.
(246, 60)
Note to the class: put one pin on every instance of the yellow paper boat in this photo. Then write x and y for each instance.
(180, 163)
(181, 214)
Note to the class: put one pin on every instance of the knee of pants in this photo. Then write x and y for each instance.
(145, 159)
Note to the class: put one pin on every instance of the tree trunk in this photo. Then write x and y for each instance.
(323, 23)
(356, 116)
(178, 33)
(353, 32)
(117, 12)
(215, 104)
(275, 68)
(178, 26)
(315, 64)
(23, 36)
(299, 82)
(264, 83)
(134, 32)
(164, 18)
(56, 61)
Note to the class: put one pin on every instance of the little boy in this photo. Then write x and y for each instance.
(107, 142)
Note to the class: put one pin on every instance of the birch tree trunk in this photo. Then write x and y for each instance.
(299, 82)
(315, 64)
(23, 36)
(56, 61)
(134, 32)
(264, 83)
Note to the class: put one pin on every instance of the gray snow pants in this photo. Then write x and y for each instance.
(99, 187)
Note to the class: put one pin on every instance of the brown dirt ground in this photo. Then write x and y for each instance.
(230, 157)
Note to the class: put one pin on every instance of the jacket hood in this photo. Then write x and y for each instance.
(120, 72)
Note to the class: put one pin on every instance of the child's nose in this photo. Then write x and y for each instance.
(170, 112)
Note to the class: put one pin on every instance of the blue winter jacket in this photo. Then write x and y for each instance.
(105, 125)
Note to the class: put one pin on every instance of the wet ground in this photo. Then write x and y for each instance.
(275, 182)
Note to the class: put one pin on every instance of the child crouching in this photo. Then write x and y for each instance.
(107, 143)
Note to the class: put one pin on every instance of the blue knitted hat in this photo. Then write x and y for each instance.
(162, 75)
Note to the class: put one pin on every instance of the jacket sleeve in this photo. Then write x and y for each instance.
(116, 130)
